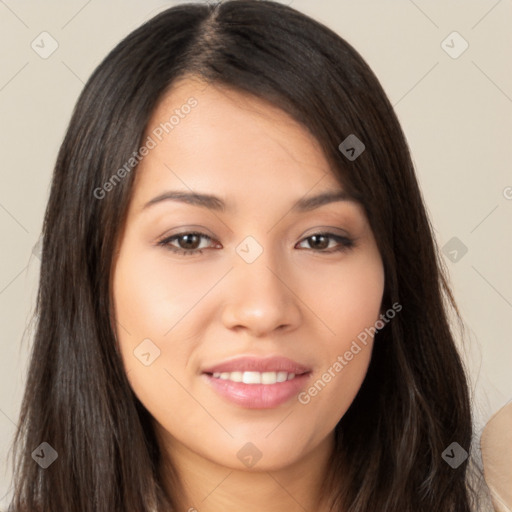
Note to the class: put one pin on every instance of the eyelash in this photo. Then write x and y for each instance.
(346, 243)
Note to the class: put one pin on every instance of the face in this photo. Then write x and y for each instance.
(241, 318)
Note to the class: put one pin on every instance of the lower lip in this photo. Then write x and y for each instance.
(257, 396)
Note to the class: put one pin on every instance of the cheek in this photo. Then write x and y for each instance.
(346, 297)
(166, 303)
(142, 294)
(149, 300)
(350, 307)
(152, 295)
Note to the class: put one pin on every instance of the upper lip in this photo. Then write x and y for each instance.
(258, 364)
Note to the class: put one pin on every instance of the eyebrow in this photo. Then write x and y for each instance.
(215, 203)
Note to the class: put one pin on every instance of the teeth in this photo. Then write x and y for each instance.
(236, 376)
(251, 378)
(268, 378)
(282, 376)
(255, 377)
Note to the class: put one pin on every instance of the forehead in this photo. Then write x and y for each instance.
(211, 137)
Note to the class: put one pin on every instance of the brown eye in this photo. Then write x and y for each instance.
(320, 242)
(188, 243)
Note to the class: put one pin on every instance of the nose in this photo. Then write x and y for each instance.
(261, 298)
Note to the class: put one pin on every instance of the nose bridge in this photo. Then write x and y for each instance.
(259, 294)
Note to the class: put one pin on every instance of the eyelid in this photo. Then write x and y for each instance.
(345, 242)
(333, 230)
(187, 229)
(200, 230)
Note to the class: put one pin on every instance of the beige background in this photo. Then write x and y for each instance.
(456, 113)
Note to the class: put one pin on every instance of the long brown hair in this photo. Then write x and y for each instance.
(414, 401)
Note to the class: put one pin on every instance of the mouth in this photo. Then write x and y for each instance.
(257, 383)
(248, 377)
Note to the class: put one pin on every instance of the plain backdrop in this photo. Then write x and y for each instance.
(452, 94)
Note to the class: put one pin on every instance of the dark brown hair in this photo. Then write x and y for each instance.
(414, 401)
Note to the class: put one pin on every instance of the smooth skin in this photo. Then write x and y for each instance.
(297, 299)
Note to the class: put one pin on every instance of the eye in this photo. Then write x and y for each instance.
(189, 243)
(321, 241)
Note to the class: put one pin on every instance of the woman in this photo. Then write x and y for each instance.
(241, 300)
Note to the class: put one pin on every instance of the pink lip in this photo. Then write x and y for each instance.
(258, 364)
(258, 396)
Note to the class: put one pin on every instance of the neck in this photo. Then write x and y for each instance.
(205, 486)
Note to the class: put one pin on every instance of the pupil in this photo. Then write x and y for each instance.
(320, 245)
(318, 241)
(189, 243)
